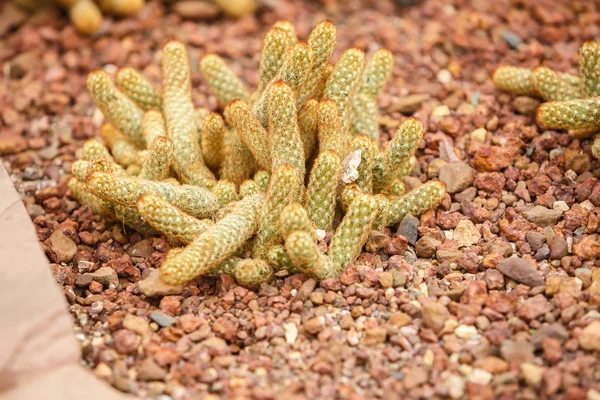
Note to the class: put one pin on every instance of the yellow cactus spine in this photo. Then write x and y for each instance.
(251, 131)
(281, 191)
(138, 89)
(221, 80)
(248, 188)
(179, 115)
(216, 244)
(570, 114)
(158, 162)
(170, 220)
(262, 179)
(330, 134)
(551, 87)
(417, 201)
(308, 119)
(276, 44)
(515, 80)
(213, 132)
(352, 233)
(322, 189)
(225, 191)
(117, 108)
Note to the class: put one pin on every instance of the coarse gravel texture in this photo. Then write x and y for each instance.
(494, 296)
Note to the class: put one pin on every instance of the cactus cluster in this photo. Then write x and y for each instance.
(572, 101)
(255, 191)
(87, 15)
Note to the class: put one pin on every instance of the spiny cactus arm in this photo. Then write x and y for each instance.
(406, 168)
(289, 29)
(279, 260)
(123, 151)
(293, 72)
(383, 212)
(248, 188)
(343, 82)
(117, 108)
(570, 114)
(377, 73)
(399, 151)
(322, 41)
(551, 87)
(589, 62)
(153, 126)
(417, 201)
(515, 80)
(397, 188)
(286, 144)
(282, 190)
(275, 46)
(169, 220)
(307, 258)
(131, 217)
(225, 191)
(125, 190)
(157, 164)
(308, 119)
(251, 132)
(179, 116)
(221, 80)
(94, 150)
(329, 129)
(213, 132)
(572, 80)
(295, 218)
(216, 244)
(238, 163)
(368, 149)
(80, 192)
(365, 116)
(251, 273)
(352, 233)
(322, 83)
(322, 189)
(138, 89)
(262, 179)
(348, 194)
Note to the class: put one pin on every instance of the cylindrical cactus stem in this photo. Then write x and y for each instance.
(368, 149)
(322, 83)
(322, 189)
(275, 46)
(348, 194)
(282, 190)
(213, 133)
(93, 149)
(131, 217)
(306, 257)
(322, 41)
(515, 80)
(551, 87)
(406, 168)
(417, 201)
(79, 169)
(216, 244)
(85, 15)
(153, 126)
(80, 192)
(352, 233)
(589, 63)
(170, 220)
(225, 191)
(279, 260)
(293, 72)
(596, 148)
(570, 114)
(138, 89)
(180, 119)
(397, 188)
(295, 218)
(157, 165)
(238, 163)
(221, 80)
(251, 132)
(398, 152)
(343, 82)
(251, 273)
(117, 108)
(286, 144)
(248, 188)
(289, 29)
(365, 114)
(123, 151)
(262, 179)
(329, 129)
(383, 207)
(308, 119)
(125, 190)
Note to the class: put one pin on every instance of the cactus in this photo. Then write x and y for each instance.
(214, 182)
(573, 102)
